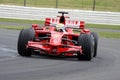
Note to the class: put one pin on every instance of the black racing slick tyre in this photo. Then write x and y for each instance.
(86, 42)
(25, 35)
(95, 35)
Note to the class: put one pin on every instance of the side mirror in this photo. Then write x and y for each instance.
(34, 26)
(47, 21)
(82, 25)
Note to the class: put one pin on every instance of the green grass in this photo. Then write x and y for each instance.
(102, 26)
(21, 21)
(110, 34)
(102, 34)
(102, 5)
(13, 27)
(115, 35)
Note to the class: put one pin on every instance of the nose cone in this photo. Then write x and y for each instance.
(55, 39)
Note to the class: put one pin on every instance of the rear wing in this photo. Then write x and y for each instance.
(70, 23)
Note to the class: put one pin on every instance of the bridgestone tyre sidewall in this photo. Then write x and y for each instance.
(95, 35)
(25, 35)
(86, 41)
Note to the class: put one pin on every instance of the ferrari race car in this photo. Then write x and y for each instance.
(59, 37)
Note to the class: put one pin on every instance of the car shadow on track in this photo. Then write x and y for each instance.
(55, 58)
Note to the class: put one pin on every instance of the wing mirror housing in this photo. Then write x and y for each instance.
(47, 21)
(34, 26)
(82, 25)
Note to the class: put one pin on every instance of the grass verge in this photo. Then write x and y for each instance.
(21, 21)
(115, 35)
(103, 26)
(101, 34)
(110, 34)
(13, 27)
(102, 5)
(100, 26)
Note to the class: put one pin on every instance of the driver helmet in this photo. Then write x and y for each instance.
(59, 26)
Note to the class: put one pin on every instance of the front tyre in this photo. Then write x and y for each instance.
(25, 35)
(86, 42)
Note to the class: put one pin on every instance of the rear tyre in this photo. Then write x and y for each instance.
(86, 42)
(95, 35)
(25, 35)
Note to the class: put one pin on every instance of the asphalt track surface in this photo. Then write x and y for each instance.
(106, 66)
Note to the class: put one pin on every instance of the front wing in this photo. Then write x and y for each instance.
(66, 50)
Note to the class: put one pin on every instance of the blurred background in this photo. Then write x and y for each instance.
(94, 5)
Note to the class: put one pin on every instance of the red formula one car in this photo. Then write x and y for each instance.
(57, 38)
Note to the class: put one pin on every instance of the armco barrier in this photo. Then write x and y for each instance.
(32, 13)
